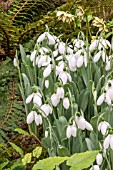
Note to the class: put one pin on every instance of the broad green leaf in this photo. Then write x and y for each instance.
(2, 165)
(81, 161)
(83, 99)
(49, 163)
(17, 164)
(18, 149)
(21, 131)
(23, 54)
(63, 151)
(37, 152)
(27, 158)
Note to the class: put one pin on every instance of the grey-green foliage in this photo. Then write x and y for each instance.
(11, 109)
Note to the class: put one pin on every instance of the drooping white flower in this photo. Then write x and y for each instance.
(34, 116)
(99, 159)
(97, 56)
(108, 141)
(78, 43)
(30, 117)
(55, 53)
(64, 76)
(15, 63)
(93, 45)
(83, 124)
(55, 100)
(71, 130)
(47, 71)
(103, 43)
(108, 66)
(45, 35)
(29, 98)
(38, 119)
(66, 103)
(103, 126)
(46, 83)
(80, 61)
(104, 98)
(37, 99)
(59, 68)
(41, 37)
(109, 93)
(43, 60)
(61, 47)
(60, 92)
(95, 167)
(72, 62)
(46, 108)
(33, 54)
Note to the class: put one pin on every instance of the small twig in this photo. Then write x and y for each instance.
(38, 140)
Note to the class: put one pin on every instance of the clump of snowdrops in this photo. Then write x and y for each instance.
(68, 89)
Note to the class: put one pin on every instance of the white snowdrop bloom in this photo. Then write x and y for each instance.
(43, 60)
(47, 71)
(80, 122)
(64, 76)
(109, 95)
(83, 124)
(103, 43)
(95, 167)
(108, 141)
(97, 56)
(85, 59)
(45, 35)
(78, 53)
(88, 126)
(66, 103)
(41, 37)
(59, 58)
(30, 117)
(37, 99)
(99, 159)
(104, 98)
(60, 67)
(33, 54)
(72, 62)
(55, 100)
(109, 85)
(108, 66)
(69, 50)
(103, 126)
(60, 92)
(61, 48)
(46, 108)
(15, 63)
(55, 53)
(101, 99)
(46, 134)
(46, 84)
(38, 119)
(29, 98)
(78, 43)
(80, 61)
(93, 45)
(71, 131)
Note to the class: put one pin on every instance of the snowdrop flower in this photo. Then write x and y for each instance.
(43, 60)
(46, 134)
(80, 61)
(99, 159)
(15, 63)
(64, 76)
(46, 108)
(33, 116)
(95, 167)
(29, 98)
(108, 66)
(61, 47)
(37, 99)
(46, 84)
(104, 98)
(78, 43)
(103, 126)
(93, 45)
(47, 71)
(72, 62)
(66, 103)
(55, 100)
(71, 130)
(83, 124)
(97, 56)
(103, 43)
(60, 92)
(33, 54)
(55, 53)
(108, 141)
(69, 50)
(45, 35)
